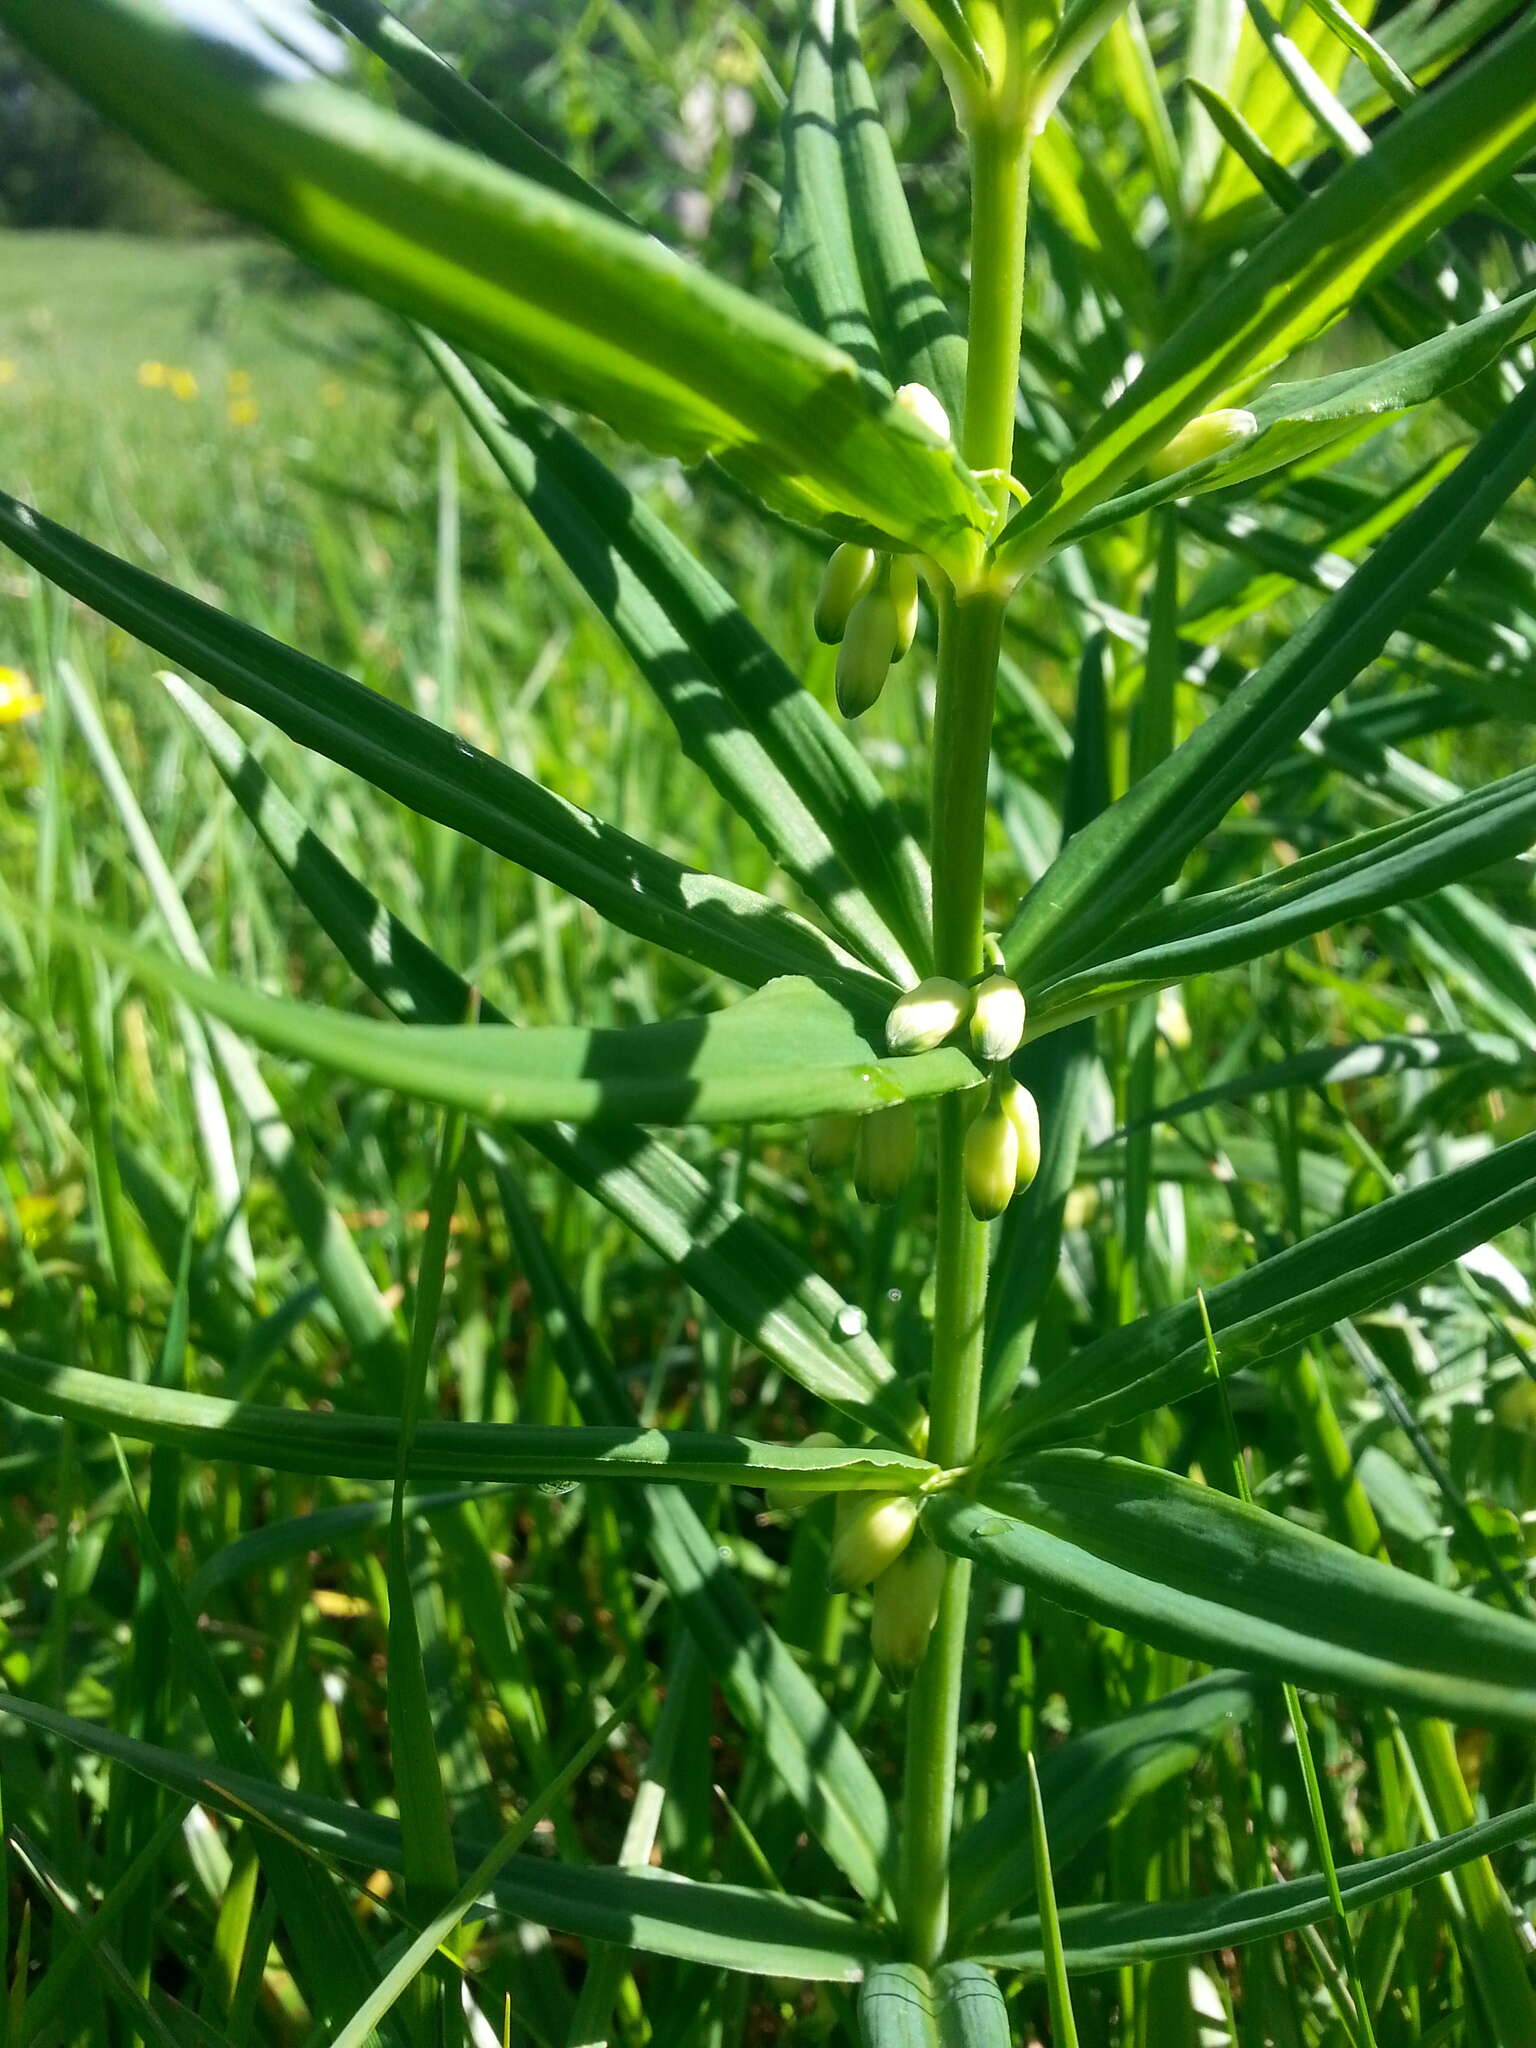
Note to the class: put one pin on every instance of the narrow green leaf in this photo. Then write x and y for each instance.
(1105, 1937)
(368, 1446)
(469, 111)
(1452, 144)
(726, 1926)
(1266, 1311)
(1187, 1569)
(764, 741)
(815, 250)
(573, 303)
(1087, 1784)
(1382, 869)
(1295, 419)
(787, 1051)
(730, 929)
(918, 337)
(749, 1275)
(1136, 847)
(1063, 2025)
(1326, 1066)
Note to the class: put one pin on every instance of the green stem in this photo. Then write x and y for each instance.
(970, 635)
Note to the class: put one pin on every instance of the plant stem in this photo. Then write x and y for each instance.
(970, 634)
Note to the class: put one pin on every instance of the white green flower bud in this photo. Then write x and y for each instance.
(1022, 1111)
(789, 1500)
(997, 1018)
(844, 581)
(904, 599)
(830, 1142)
(864, 659)
(873, 1529)
(886, 1152)
(906, 1606)
(928, 1014)
(991, 1160)
(918, 400)
(1213, 433)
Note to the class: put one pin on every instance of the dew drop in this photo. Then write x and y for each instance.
(850, 1321)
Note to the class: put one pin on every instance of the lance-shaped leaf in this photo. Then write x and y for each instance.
(1271, 1308)
(732, 930)
(764, 741)
(1388, 867)
(537, 283)
(724, 1925)
(1362, 1059)
(1086, 1785)
(366, 1446)
(1294, 419)
(958, 2006)
(1186, 1569)
(1104, 1937)
(1120, 860)
(788, 1051)
(750, 1276)
(847, 246)
(1452, 144)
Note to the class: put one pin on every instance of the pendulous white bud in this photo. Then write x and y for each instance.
(906, 1606)
(844, 581)
(1213, 433)
(864, 659)
(886, 1152)
(928, 1014)
(1022, 1111)
(873, 1529)
(918, 400)
(789, 1500)
(997, 1018)
(830, 1142)
(991, 1160)
(904, 599)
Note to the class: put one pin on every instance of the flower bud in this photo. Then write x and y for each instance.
(885, 1153)
(906, 1605)
(997, 1018)
(844, 581)
(829, 1144)
(926, 1015)
(789, 1500)
(864, 658)
(904, 599)
(1213, 433)
(991, 1160)
(1022, 1111)
(918, 400)
(873, 1529)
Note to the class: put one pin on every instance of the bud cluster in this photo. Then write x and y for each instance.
(867, 607)
(876, 1541)
(1002, 1146)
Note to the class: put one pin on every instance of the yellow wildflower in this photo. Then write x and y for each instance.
(183, 384)
(153, 376)
(7, 371)
(18, 699)
(243, 412)
(238, 383)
